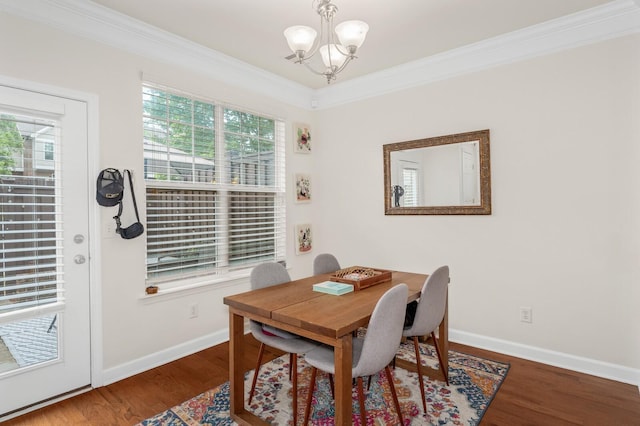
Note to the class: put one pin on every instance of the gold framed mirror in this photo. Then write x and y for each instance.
(444, 175)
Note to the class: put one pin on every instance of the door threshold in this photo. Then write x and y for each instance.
(44, 403)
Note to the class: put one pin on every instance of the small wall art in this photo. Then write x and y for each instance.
(304, 241)
(303, 187)
(302, 134)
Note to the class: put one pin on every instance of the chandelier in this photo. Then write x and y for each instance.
(335, 56)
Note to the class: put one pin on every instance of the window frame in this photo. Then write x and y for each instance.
(222, 186)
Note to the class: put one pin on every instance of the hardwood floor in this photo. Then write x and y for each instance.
(532, 394)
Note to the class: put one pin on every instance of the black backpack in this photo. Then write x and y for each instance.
(109, 187)
(110, 191)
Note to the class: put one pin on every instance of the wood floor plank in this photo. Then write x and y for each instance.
(532, 394)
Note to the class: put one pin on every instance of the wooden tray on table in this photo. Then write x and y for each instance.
(361, 277)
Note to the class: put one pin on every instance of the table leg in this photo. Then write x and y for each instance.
(343, 362)
(236, 368)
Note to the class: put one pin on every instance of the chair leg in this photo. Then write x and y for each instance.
(312, 385)
(256, 371)
(363, 413)
(294, 368)
(436, 343)
(332, 386)
(387, 370)
(419, 367)
(290, 364)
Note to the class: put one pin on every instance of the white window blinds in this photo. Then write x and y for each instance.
(410, 181)
(29, 213)
(215, 186)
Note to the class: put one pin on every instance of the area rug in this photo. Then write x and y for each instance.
(473, 382)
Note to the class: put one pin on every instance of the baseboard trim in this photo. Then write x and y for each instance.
(128, 369)
(557, 359)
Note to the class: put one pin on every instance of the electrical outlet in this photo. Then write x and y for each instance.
(526, 314)
(193, 311)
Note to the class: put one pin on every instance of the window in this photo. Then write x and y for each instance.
(48, 151)
(30, 204)
(215, 186)
(410, 183)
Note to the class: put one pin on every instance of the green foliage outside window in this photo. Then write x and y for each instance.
(189, 126)
(214, 201)
(10, 143)
(179, 122)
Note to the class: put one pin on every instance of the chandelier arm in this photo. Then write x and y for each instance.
(330, 39)
(344, 65)
(310, 54)
(347, 53)
(310, 68)
(316, 43)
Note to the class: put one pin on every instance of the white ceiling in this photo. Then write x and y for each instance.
(400, 31)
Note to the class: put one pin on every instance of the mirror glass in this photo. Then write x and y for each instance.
(442, 175)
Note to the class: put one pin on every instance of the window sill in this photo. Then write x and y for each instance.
(205, 283)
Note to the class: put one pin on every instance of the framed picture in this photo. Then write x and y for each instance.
(303, 237)
(302, 134)
(303, 187)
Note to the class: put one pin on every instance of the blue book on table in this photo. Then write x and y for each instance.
(331, 287)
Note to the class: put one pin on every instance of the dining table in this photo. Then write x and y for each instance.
(325, 318)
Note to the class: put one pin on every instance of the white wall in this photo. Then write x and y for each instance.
(442, 176)
(135, 329)
(563, 236)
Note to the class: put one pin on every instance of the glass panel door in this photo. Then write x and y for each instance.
(44, 273)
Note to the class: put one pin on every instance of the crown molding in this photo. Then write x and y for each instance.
(615, 19)
(92, 21)
(96, 22)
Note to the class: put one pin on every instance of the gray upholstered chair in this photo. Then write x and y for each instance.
(265, 275)
(371, 354)
(325, 263)
(429, 314)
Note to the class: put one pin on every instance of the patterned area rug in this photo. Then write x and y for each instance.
(473, 383)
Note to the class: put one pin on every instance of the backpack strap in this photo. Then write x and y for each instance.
(117, 217)
(133, 194)
(135, 205)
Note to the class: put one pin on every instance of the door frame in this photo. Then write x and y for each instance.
(95, 284)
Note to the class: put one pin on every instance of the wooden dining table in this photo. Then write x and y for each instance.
(295, 307)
